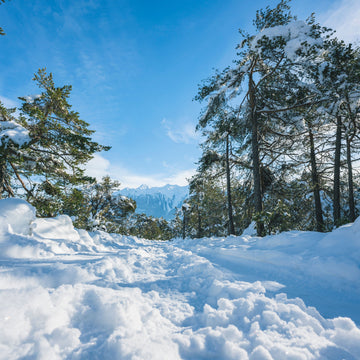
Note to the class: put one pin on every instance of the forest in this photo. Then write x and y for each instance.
(280, 151)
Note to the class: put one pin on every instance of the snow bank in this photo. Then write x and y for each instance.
(25, 236)
(16, 216)
(344, 241)
(331, 258)
(60, 227)
(69, 294)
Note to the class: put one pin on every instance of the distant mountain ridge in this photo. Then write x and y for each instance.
(157, 201)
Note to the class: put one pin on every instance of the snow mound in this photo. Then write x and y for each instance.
(251, 325)
(250, 230)
(16, 216)
(59, 227)
(343, 241)
(25, 236)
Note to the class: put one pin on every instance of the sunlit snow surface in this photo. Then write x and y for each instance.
(68, 294)
(13, 132)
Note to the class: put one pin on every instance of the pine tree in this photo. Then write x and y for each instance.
(60, 142)
(263, 85)
(150, 228)
(13, 138)
(217, 153)
(338, 78)
(205, 212)
(99, 206)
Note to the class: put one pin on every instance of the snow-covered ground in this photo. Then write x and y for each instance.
(68, 294)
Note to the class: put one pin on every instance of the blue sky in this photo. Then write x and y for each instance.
(135, 66)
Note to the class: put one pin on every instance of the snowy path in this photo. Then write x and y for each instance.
(67, 294)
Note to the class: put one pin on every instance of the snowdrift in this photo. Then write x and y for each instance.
(69, 294)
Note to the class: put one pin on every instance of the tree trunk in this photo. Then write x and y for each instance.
(255, 156)
(199, 229)
(336, 200)
(231, 230)
(316, 185)
(350, 180)
(2, 175)
(184, 224)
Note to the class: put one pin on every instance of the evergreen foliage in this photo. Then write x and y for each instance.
(44, 149)
(13, 139)
(98, 206)
(148, 227)
(287, 105)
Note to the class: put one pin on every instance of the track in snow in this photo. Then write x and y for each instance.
(124, 298)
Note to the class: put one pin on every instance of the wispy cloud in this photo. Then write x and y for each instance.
(99, 167)
(9, 103)
(182, 131)
(344, 17)
(181, 177)
(130, 179)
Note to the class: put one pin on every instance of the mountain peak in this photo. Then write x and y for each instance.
(143, 187)
(158, 201)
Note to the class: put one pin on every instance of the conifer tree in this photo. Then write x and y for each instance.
(270, 63)
(104, 208)
(338, 79)
(13, 138)
(217, 153)
(205, 212)
(151, 228)
(60, 142)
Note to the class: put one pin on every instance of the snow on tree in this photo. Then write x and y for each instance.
(13, 137)
(266, 84)
(44, 150)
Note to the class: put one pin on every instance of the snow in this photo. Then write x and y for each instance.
(11, 131)
(59, 227)
(186, 207)
(157, 201)
(69, 294)
(296, 34)
(31, 98)
(250, 230)
(16, 215)
(175, 192)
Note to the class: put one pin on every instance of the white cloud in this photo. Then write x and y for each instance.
(181, 132)
(181, 177)
(99, 167)
(344, 17)
(8, 103)
(132, 180)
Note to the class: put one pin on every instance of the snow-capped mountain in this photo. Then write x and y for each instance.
(157, 201)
